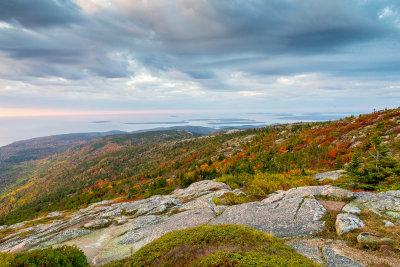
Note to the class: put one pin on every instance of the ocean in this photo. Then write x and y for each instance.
(21, 128)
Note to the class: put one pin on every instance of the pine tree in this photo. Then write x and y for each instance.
(354, 169)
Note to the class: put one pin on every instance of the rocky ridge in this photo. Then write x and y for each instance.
(111, 230)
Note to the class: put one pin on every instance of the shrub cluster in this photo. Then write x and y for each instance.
(65, 256)
(216, 245)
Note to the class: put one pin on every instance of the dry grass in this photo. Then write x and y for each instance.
(369, 254)
(374, 224)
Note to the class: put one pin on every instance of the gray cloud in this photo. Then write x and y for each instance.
(39, 13)
(172, 49)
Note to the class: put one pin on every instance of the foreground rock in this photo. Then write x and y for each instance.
(346, 222)
(384, 203)
(108, 231)
(335, 259)
(351, 209)
(288, 217)
(311, 252)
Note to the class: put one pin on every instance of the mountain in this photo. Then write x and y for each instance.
(18, 157)
(261, 161)
(37, 148)
(331, 189)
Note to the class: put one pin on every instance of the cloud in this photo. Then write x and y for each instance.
(197, 52)
(39, 13)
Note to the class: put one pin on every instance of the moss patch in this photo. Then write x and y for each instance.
(230, 199)
(329, 230)
(44, 220)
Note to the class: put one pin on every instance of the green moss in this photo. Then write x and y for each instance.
(252, 258)
(26, 233)
(329, 230)
(41, 221)
(222, 245)
(176, 211)
(230, 199)
(64, 256)
(6, 232)
(333, 198)
(6, 259)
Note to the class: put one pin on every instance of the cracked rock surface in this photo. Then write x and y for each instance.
(111, 230)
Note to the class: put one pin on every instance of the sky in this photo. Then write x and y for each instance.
(119, 56)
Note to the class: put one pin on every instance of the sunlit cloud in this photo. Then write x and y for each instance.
(18, 112)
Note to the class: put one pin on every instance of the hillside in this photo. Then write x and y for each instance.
(42, 147)
(259, 161)
(17, 157)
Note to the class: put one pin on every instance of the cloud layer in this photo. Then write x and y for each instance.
(180, 54)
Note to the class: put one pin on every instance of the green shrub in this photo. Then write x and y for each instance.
(251, 258)
(6, 259)
(262, 183)
(230, 199)
(64, 256)
(265, 183)
(216, 245)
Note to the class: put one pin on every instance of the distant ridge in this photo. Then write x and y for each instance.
(193, 129)
(40, 147)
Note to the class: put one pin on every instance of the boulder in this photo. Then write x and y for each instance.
(202, 202)
(349, 208)
(154, 205)
(111, 213)
(346, 222)
(388, 223)
(304, 191)
(365, 238)
(332, 175)
(143, 221)
(198, 189)
(97, 223)
(336, 192)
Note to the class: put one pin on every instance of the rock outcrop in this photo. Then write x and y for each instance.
(335, 259)
(111, 230)
(288, 217)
